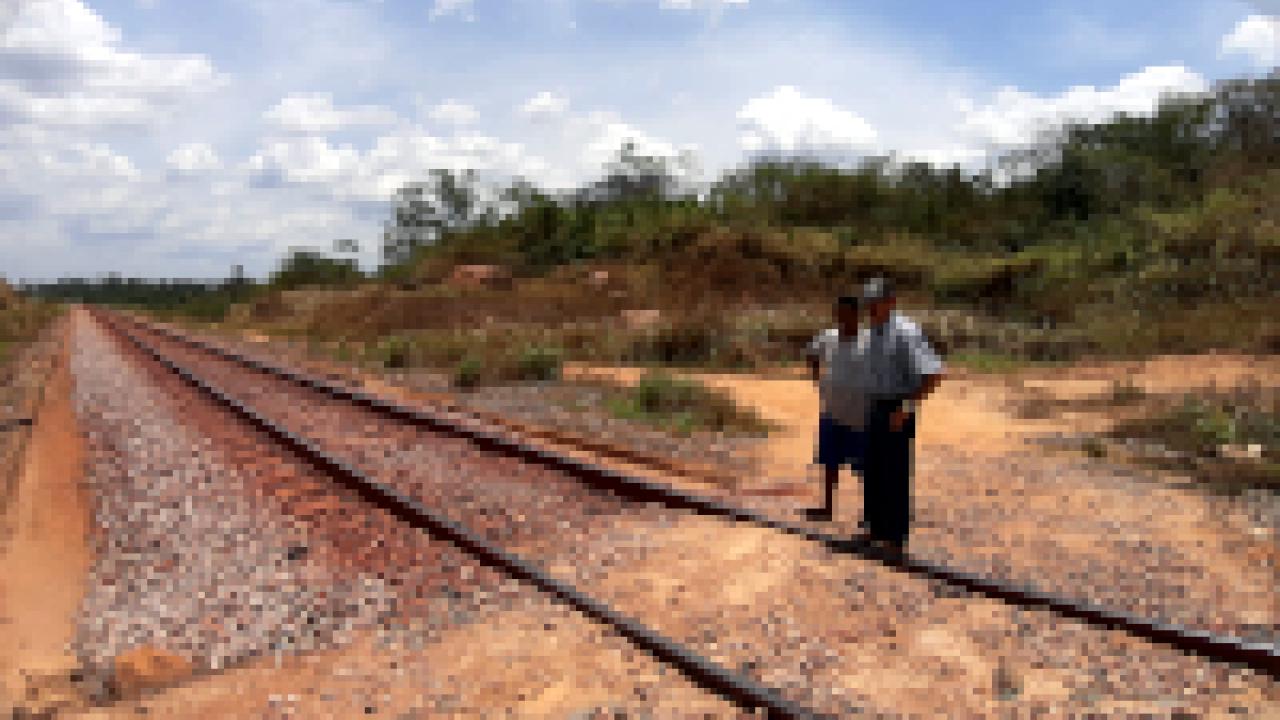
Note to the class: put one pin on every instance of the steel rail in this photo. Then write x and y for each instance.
(15, 423)
(1257, 656)
(738, 689)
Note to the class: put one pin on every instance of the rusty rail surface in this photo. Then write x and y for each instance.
(738, 689)
(1260, 657)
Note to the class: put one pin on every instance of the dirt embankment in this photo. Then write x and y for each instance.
(44, 549)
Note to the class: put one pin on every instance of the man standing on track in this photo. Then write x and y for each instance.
(901, 371)
(836, 360)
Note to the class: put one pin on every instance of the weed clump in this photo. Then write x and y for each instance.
(468, 373)
(394, 352)
(538, 363)
(1231, 438)
(682, 406)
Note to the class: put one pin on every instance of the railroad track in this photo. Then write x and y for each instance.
(731, 686)
(1261, 657)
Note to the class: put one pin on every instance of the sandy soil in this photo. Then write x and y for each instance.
(983, 503)
(970, 412)
(46, 556)
(545, 662)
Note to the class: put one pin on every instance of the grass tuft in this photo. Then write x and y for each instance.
(682, 406)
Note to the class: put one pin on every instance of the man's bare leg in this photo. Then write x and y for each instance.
(830, 478)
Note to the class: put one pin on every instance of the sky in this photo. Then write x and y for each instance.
(171, 138)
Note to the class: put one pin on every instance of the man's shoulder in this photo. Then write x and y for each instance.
(825, 337)
(908, 333)
(905, 326)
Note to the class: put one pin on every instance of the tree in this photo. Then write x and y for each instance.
(424, 211)
(308, 267)
(633, 175)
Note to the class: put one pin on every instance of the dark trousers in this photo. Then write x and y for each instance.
(886, 478)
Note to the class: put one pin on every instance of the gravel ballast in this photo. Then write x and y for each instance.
(214, 546)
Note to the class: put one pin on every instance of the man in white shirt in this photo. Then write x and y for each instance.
(837, 361)
(901, 371)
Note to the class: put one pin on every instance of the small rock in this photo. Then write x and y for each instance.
(149, 667)
(597, 279)
(640, 319)
(1252, 451)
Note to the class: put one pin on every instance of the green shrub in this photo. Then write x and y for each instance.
(539, 363)
(681, 343)
(302, 268)
(394, 352)
(468, 373)
(1210, 426)
(658, 392)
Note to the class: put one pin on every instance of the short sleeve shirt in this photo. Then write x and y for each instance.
(842, 387)
(898, 358)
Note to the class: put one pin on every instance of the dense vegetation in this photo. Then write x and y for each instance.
(203, 299)
(1173, 218)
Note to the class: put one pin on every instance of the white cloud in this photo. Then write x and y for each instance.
(308, 159)
(544, 106)
(787, 121)
(65, 66)
(1015, 118)
(193, 158)
(1258, 37)
(403, 155)
(8, 11)
(453, 112)
(586, 143)
(606, 133)
(89, 159)
(315, 113)
(90, 209)
(462, 8)
(68, 185)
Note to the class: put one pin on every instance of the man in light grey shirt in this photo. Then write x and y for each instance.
(902, 369)
(836, 360)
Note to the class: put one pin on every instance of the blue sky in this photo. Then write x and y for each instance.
(172, 138)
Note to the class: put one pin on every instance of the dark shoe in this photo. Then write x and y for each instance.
(881, 546)
(892, 550)
(818, 514)
(854, 544)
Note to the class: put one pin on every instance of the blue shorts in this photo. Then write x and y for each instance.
(839, 444)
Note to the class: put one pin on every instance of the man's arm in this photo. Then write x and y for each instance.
(924, 362)
(813, 356)
(927, 385)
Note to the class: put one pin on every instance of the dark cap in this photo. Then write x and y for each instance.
(877, 289)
